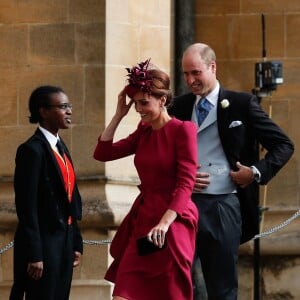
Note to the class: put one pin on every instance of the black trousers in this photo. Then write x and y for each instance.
(55, 284)
(218, 241)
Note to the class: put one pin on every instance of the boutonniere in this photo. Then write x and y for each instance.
(225, 103)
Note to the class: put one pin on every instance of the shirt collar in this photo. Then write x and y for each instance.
(51, 138)
(212, 97)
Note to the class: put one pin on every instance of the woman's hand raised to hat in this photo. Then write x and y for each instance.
(123, 107)
(121, 111)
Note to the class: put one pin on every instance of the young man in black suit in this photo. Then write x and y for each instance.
(226, 187)
(47, 243)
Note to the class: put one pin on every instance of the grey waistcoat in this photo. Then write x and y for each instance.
(211, 156)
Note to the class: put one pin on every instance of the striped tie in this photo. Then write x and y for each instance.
(203, 108)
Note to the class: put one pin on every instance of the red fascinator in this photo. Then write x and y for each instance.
(138, 79)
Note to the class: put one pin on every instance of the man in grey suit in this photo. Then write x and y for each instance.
(226, 186)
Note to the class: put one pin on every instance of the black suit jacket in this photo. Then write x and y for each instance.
(240, 143)
(41, 200)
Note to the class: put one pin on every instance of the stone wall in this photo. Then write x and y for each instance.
(59, 42)
(84, 47)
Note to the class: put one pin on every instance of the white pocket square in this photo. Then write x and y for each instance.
(235, 124)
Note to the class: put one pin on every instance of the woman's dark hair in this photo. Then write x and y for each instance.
(41, 97)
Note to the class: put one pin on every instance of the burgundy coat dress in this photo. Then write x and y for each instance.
(166, 162)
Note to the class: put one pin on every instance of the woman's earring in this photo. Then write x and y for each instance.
(163, 108)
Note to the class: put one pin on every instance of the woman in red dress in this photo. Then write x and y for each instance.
(153, 248)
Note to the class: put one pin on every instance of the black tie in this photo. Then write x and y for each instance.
(60, 148)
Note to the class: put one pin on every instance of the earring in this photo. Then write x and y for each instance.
(163, 108)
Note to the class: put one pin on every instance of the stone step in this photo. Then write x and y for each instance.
(81, 289)
(91, 289)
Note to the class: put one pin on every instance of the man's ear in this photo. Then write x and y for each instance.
(213, 66)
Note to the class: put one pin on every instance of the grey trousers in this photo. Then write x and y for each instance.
(218, 241)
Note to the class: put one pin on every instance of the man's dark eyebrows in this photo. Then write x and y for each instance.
(196, 71)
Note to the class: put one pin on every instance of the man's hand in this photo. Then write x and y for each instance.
(244, 176)
(202, 181)
(35, 270)
(77, 256)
